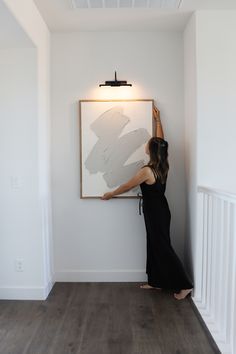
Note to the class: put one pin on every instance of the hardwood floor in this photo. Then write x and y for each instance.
(102, 318)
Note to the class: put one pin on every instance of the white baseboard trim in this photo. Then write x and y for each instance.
(48, 288)
(94, 275)
(26, 292)
(215, 331)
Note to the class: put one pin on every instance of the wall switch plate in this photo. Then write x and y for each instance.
(19, 265)
(15, 182)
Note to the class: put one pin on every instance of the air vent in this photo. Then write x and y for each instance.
(161, 4)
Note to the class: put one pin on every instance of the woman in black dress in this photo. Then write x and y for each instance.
(163, 267)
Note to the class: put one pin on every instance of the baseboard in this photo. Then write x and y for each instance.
(26, 292)
(48, 288)
(206, 329)
(92, 275)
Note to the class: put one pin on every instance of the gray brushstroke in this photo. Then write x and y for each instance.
(110, 123)
(111, 152)
(107, 127)
(113, 178)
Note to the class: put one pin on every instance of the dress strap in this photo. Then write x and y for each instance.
(154, 172)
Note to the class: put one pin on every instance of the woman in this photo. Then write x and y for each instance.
(163, 267)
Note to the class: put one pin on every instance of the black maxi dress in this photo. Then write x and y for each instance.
(163, 267)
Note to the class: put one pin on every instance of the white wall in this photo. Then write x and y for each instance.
(210, 96)
(216, 58)
(26, 230)
(93, 239)
(20, 217)
(190, 98)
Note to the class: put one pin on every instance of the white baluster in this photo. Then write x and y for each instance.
(218, 292)
(229, 290)
(233, 298)
(204, 250)
(198, 252)
(209, 253)
(223, 270)
(214, 280)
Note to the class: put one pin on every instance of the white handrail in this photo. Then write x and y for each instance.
(217, 192)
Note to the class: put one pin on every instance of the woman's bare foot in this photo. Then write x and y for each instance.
(147, 286)
(183, 293)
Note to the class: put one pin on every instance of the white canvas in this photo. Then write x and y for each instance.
(113, 135)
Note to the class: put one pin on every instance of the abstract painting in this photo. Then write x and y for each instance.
(113, 134)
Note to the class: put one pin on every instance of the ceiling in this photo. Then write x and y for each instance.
(123, 15)
(11, 34)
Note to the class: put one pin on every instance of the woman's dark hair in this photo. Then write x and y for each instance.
(158, 150)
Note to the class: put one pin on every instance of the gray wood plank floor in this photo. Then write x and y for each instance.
(102, 318)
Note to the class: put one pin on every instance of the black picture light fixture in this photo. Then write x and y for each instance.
(115, 83)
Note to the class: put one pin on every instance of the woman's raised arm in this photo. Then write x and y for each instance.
(159, 129)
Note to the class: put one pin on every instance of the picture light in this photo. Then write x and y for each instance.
(115, 82)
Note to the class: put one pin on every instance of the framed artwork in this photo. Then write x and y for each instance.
(113, 134)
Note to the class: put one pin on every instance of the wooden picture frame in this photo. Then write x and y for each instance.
(110, 130)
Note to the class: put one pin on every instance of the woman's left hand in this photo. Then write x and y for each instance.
(156, 113)
(107, 196)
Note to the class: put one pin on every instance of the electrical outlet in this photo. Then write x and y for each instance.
(19, 265)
